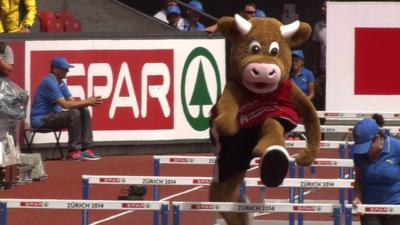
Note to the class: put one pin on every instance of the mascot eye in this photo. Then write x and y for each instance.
(255, 47)
(274, 48)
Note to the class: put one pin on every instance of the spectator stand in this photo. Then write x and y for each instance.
(58, 22)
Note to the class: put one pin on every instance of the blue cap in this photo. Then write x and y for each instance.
(363, 134)
(196, 4)
(260, 13)
(173, 9)
(60, 62)
(298, 53)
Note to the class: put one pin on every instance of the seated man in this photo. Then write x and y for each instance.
(54, 108)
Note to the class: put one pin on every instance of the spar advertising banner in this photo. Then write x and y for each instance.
(153, 89)
(363, 51)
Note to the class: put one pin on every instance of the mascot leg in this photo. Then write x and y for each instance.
(274, 158)
(226, 192)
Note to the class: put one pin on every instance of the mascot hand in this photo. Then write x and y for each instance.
(226, 124)
(305, 158)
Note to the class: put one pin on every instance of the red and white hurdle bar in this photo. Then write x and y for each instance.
(343, 129)
(370, 209)
(71, 204)
(205, 181)
(356, 115)
(334, 209)
(210, 160)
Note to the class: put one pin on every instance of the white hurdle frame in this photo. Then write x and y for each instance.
(335, 209)
(73, 204)
(202, 181)
(370, 209)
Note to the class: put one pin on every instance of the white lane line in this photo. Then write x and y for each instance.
(111, 217)
(164, 199)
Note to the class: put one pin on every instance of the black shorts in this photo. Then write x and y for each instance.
(235, 154)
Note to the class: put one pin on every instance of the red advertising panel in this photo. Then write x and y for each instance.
(375, 60)
(137, 85)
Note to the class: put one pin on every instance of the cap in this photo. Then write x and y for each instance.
(173, 9)
(298, 53)
(61, 62)
(260, 13)
(196, 4)
(364, 133)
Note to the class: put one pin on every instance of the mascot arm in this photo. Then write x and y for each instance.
(227, 109)
(311, 124)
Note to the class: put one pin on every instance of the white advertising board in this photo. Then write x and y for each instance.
(153, 89)
(362, 50)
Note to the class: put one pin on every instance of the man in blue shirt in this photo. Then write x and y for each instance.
(54, 108)
(302, 76)
(192, 22)
(377, 168)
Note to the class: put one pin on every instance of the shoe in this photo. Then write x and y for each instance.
(75, 155)
(89, 155)
(274, 165)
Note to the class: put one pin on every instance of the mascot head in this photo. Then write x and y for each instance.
(261, 53)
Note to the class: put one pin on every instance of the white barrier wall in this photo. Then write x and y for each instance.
(153, 89)
(362, 56)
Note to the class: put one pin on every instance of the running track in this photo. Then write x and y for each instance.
(64, 182)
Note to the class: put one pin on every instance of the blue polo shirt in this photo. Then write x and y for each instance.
(198, 27)
(303, 79)
(380, 179)
(44, 102)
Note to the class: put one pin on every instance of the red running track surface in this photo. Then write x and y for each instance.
(65, 182)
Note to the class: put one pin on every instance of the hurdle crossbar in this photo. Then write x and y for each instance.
(343, 129)
(73, 204)
(370, 209)
(356, 115)
(205, 181)
(255, 207)
(210, 160)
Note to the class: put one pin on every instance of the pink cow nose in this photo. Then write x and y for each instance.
(267, 71)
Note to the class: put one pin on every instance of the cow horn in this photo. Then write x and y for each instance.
(242, 25)
(287, 31)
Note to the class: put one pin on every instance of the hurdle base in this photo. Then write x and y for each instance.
(277, 222)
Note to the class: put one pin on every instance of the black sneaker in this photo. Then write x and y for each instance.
(274, 165)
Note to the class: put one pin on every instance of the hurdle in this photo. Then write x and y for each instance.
(71, 204)
(254, 207)
(337, 115)
(370, 209)
(319, 162)
(203, 181)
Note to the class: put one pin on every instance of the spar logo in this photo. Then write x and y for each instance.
(34, 204)
(111, 180)
(199, 91)
(379, 209)
(306, 208)
(183, 160)
(134, 206)
(323, 162)
(201, 206)
(201, 181)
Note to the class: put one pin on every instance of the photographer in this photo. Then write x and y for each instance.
(6, 59)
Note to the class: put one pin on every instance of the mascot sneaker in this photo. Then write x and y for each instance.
(274, 164)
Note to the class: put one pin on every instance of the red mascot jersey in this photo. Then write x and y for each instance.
(256, 108)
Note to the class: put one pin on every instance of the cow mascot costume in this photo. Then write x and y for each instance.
(258, 106)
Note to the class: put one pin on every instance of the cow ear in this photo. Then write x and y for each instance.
(301, 35)
(226, 25)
